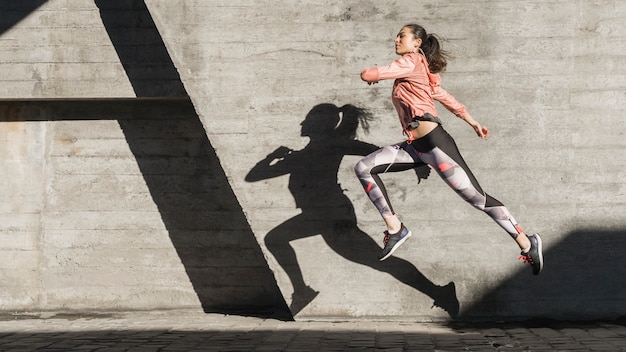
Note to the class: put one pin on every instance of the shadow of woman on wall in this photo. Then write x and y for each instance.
(326, 210)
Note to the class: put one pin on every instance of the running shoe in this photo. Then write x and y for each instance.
(534, 256)
(391, 242)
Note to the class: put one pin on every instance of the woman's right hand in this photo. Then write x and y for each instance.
(370, 75)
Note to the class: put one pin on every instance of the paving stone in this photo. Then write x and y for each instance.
(184, 331)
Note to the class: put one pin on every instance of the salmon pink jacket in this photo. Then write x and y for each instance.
(415, 89)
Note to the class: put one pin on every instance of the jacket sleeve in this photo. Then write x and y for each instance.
(401, 68)
(446, 99)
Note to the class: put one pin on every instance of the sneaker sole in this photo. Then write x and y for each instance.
(396, 246)
(540, 251)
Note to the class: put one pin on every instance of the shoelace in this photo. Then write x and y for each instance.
(526, 258)
(386, 239)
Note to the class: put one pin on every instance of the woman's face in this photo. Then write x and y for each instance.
(406, 42)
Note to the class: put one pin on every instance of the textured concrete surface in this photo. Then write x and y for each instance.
(127, 130)
(190, 331)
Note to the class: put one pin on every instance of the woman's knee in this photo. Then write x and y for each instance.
(362, 169)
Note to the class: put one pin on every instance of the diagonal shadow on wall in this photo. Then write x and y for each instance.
(186, 181)
(15, 11)
(199, 209)
(205, 221)
(201, 212)
(140, 48)
(584, 278)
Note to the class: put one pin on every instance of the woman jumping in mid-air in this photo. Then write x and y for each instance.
(417, 85)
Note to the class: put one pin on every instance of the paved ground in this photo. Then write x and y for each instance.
(196, 331)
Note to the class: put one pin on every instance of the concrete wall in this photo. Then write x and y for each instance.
(113, 197)
(89, 223)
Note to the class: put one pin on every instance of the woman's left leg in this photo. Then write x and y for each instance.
(439, 150)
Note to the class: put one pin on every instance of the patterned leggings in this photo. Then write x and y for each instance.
(439, 151)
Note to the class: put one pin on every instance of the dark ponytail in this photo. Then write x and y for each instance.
(437, 58)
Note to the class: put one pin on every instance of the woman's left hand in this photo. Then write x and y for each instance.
(481, 131)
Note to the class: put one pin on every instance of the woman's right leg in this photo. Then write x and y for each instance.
(392, 158)
(388, 159)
